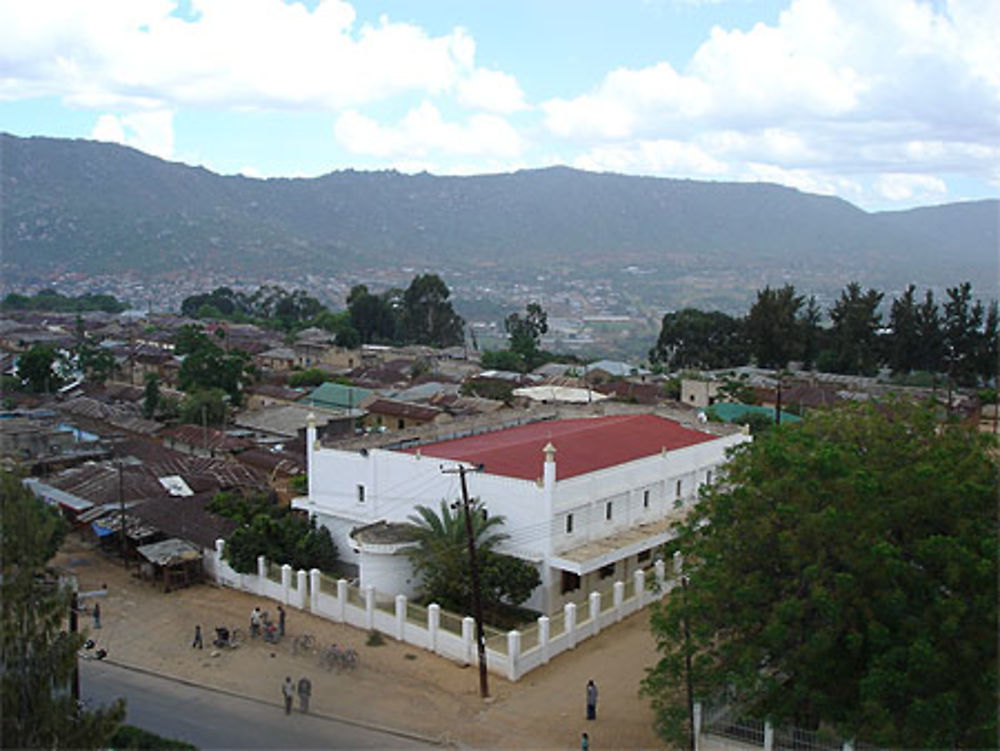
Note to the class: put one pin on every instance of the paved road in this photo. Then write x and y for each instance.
(212, 720)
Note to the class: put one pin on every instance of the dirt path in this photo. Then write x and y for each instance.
(396, 686)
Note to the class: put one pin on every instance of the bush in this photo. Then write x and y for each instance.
(131, 738)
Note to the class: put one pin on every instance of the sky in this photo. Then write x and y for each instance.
(888, 104)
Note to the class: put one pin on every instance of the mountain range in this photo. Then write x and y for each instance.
(97, 208)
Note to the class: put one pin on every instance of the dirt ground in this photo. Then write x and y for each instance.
(396, 686)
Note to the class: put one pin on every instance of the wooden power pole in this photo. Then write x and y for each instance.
(477, 600)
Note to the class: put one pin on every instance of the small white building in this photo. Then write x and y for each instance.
(585, 499)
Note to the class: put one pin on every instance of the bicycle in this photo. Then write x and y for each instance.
(330, 658)
(304, 643)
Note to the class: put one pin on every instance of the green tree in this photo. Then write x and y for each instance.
(505, 581)
(773, 328)
(854, 335)
(150, 396)
(810, 333)
(284, 538)
(36, 369)
(903, 350)
(930, 338)
(526, 334)
(39, 655)
(373, 317)
(843, 574)
(97, 364)
(962, 321)
(988, 349)
(428, 317)
(308, 378)
(441, 558)
(692, 338)
(204, 407)
(207, 366)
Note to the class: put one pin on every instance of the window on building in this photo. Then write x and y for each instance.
(608, 571)
(400, 423)
(645, 499)
(569, 524)
(607, 511)
(644, 556)
(679, 488)
(361, 493)
(570, 582)
(708, 477)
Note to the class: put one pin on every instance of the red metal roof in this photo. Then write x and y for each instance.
(582, 445)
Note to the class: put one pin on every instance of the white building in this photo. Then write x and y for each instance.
(585, 499)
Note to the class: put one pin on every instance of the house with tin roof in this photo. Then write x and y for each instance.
(587, 500)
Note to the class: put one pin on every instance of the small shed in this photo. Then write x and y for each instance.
(175, 562)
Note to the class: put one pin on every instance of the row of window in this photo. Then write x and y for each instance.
(571, 582)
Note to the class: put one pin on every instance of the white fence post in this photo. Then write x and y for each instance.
(220, 549)
(341, 600)
(768, 736)
(697, 726)
(261, 574)
(314, 589)
(513, 654)
(595, 611)
(619, 595)
(286, 582)
(569, 616)
(543, 637)
(468, 623)
(433, 624)
(848, 746)
(300, 590)
(640, 588)
(661, 575)
(400, 616)
(369, 607)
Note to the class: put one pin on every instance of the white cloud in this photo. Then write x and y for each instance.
(236, 53)
(662, 157)
(151, 132)
(904, 187)
(423, 131)
(491, 90)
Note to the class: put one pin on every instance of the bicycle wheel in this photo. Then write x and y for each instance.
(307, 642)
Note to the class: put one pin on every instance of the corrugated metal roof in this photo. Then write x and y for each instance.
(583, 445)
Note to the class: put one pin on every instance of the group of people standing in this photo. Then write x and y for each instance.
(304, 690)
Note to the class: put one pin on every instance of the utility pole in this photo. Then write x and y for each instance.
(477, 600)
(74, 603)
(687, 667)
(121, 506)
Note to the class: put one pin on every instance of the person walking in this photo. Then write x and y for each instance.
(197, 637)
(585, 742)
(281, 621)
(288, 691)
(305, 691)
(97, 615)
(255, 618)
(591, 700)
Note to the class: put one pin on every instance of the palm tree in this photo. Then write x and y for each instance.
(441, 555)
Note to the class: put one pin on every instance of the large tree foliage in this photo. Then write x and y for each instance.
(37, 369)
(692, 338)
(39, 654)
(962, 320)
(428, 317)
(441, 559)
(282, 538)
(844, 574)
(50, 300)
(854, 335)
(207, 366)
(772, 326)
(526, 334)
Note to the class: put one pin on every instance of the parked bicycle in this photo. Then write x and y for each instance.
(305, 643)
(341, 659)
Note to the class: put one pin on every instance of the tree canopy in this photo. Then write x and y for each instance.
(691, 338)
(843, 574)
(39, 655)
(441, 560)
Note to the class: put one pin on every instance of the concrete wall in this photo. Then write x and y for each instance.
(505, 656)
